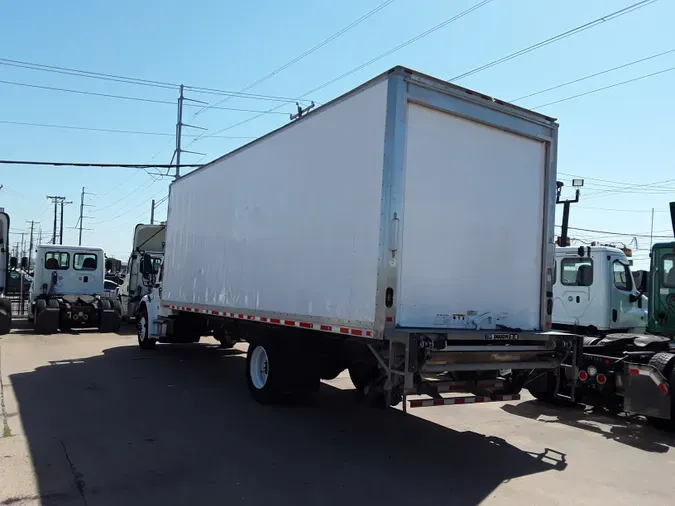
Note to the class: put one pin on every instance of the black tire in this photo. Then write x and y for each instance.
(105, 304)
(53, 303)
(40, 305)
(224, 338)
(543, 389)
(591, 341)
(664, 363)
(362, 376)
(331, 370)
(117, 306)
(264, 372)
(6, 305)
(143, 331)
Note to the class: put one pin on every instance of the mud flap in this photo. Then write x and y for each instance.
(110, 321)
(47, 320)
(646, 392)
(5, 322)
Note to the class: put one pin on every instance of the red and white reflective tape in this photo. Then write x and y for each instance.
(657, 378)
(335, 329)
(422, 403)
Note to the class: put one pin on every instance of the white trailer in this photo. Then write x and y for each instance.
(364, 236)
(594, 292)
(148, 241)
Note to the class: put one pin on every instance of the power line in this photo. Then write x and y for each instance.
(556, 38)
(134, 80)
(606, 87)
(321, 44)
(621, 210)
(366, 64)
(127, 97)
(596, 74)
(104, 130)
(605, 232)
(81, 164)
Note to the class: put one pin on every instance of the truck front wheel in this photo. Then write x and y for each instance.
(142, 328)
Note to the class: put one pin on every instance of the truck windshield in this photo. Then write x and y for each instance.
(668, 269)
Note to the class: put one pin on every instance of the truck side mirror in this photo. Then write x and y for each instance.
(24, 263)
(13, 262)
(146, 266)
(643, 285)
(108, 265)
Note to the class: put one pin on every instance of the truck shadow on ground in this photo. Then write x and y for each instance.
(631, 431)
(177, 426)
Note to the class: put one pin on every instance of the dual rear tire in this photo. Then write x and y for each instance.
(274, 373)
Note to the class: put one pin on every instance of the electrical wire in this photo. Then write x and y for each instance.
(127, 97)
(105, 130)
(82, 164)
(556, 38)
(621, 210)
(366, 64)
(318, 46)
(639, 78)
(605, 232)
(596, 74)
(135, 80)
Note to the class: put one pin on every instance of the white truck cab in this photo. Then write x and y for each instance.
(148, 241)
(594, 290)
(68, 290)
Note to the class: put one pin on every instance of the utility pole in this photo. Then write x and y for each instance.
(40, 235)
(651, 232)
(566, 207)
(23, 250)
(179, 131)
(82, 217)
(152, 212)
(63, 202)
(56, 201)
(30, 244)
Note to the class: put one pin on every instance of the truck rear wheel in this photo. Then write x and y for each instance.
(664, 363)
(263, 372)
(142, 329)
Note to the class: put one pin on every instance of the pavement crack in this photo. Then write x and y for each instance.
(6, 432)
(78, 477)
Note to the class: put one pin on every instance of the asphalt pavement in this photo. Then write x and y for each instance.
(89, 419)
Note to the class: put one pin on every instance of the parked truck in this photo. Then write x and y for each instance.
(620, 369)
(68, 290)
(5, 302)
(148, 241)
(362, 237)
(594, 292)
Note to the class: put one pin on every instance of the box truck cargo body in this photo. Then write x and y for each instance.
(378, 217)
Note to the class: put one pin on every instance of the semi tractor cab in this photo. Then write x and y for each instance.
(627, 363)
(5, 303)
(68, 290)
(594, 292)
(144, 262)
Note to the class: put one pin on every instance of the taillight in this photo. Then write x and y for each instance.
(583, 375)
(601, 379)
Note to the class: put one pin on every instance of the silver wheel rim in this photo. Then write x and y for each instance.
(259, 367)
(141, 329)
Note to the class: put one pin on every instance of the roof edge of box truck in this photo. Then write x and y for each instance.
(400, 70)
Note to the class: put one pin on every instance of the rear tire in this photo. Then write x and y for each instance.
(664, 363)
(264, 371)
(105, 304)
(143, 332)
(40, 305)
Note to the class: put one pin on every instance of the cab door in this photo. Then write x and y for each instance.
(573, 290)
(624, 310)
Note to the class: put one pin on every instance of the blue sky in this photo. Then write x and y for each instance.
(620, 137)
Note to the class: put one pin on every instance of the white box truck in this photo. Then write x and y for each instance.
(367, 235)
